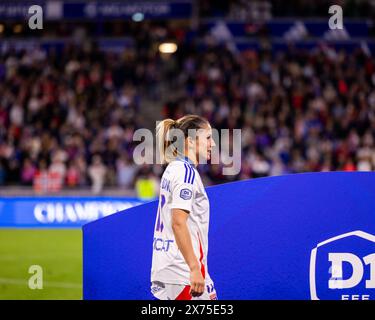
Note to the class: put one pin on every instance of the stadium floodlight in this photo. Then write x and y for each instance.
(168, 47)
(17, 28)
(138, 16)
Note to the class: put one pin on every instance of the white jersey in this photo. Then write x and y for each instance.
(181, 188)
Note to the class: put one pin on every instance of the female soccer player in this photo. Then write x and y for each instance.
(179, 261)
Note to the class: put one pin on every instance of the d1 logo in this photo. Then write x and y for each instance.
(343, 268)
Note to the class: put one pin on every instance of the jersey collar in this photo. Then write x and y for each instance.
(187, 159)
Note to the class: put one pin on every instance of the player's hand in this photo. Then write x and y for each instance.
(196, 283)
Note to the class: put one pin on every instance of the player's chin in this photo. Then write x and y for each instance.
(208, 155)
(204, 157)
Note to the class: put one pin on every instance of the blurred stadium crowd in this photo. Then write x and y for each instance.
(72, 116)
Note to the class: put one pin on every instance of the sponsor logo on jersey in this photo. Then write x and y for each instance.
(162, 244)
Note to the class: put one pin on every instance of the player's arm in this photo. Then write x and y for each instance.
(183, 240)
(182, 202)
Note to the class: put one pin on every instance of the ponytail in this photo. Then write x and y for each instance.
(162, 141)
(168, 153)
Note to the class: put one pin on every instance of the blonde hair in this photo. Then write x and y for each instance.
(168, 153)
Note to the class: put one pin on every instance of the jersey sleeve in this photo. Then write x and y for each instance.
(183, 190)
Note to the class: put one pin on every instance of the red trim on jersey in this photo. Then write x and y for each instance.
(203, 271)
(184, 294)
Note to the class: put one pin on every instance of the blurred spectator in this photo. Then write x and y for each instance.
(41, 182)
(72, 175)
(58, 164)
(28, 172)
(2, 174)
(126, 172)
(97, 172)
(147, 184)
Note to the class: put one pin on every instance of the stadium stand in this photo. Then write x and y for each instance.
(69, 108)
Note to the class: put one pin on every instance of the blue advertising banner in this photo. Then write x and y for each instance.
(118, 9)
(299, 236)
(17, 9)
(56, 9)
(59, 212)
